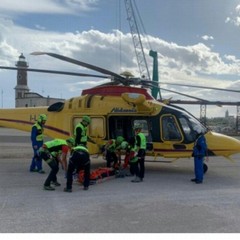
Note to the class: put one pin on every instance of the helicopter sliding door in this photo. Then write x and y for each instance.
(120, 126)
(123, 126)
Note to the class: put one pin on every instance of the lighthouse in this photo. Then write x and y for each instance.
(22, 86)
(23, 96)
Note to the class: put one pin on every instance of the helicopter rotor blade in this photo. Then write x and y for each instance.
(185, 95)
(156, 84)
(197, 86)
(83, 64)
(153, 84)
(56, 72)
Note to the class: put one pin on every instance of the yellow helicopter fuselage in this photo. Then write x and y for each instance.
(114, 111)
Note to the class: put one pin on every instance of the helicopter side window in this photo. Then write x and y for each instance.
(145, 128)
(95, 129)
(170, 130)
(186, 129)
(188, 125)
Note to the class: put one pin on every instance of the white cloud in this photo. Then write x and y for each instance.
(15, 7)
(40, 27)
(235, 17)
(102, 49)
(193, 64)
(193, 59)
(237, 9)
(206, 37)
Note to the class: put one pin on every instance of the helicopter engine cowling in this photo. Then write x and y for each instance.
(138, 100)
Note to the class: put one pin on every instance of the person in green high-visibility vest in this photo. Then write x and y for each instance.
(141, 145)
(54, 152)
(37, 138)
(78, 160)
(113, 152)
(80, 132)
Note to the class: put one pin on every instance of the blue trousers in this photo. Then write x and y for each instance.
(36, 160)
(198, 168)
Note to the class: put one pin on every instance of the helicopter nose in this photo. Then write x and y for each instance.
(222, 145)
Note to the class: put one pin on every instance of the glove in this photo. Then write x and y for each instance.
(37, 156)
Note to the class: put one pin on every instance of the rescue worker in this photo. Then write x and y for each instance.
(141, 145)
(54, 152)
(199, 152)
(78, 160)
(37, 142)
(113, 152)
(80, 132)
(130, 154)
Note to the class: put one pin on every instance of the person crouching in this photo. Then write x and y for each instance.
(78, 160)
(54, 152)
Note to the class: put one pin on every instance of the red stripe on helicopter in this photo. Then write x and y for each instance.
(30, 123)
(116, 91)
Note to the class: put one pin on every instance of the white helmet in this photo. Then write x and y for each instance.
(197, 129)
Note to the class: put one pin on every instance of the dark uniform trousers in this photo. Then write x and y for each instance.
(53, 163)
(111, 157)
(139, 171)
(138, 167)
(78, 161)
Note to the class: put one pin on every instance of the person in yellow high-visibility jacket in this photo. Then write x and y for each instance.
(113, 152)
(78, 160)
(80, 132)
(141, 145)
(54, 152)
(37, 142)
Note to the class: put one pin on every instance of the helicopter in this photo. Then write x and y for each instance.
(114, 108)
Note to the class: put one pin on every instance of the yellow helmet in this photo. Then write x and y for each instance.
(86, 119)
(42, 117)
(71, 141)
(124, 145)
(119, 140)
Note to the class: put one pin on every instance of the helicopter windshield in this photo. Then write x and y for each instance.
(190, 127)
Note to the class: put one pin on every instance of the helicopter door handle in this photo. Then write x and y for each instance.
(179, 146)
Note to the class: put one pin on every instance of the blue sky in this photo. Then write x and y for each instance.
(197, 43)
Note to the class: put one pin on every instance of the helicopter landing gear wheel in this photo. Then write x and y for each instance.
(205, 168)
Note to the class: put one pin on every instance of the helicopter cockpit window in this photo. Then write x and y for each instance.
(189, 126)
(170, 130)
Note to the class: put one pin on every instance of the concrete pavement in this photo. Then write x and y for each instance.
(166, 202)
